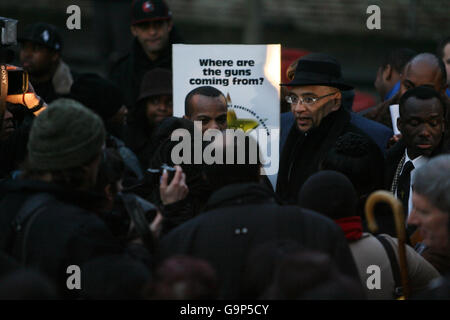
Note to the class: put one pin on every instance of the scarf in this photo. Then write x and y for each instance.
(352, 227)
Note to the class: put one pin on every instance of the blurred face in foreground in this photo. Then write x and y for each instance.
(431, 222)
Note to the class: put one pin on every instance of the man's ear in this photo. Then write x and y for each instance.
(387, 72)
(337, 102)
(133, 30)
(108, 192)
(170, 25)
(55, 56)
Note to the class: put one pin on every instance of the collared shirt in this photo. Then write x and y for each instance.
(417, 163)
(393, 91)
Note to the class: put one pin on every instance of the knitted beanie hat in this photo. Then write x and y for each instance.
(330, 193)
(65, 135)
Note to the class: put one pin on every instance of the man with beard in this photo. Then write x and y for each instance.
(422, 126)
(316, 102)
(40, 56)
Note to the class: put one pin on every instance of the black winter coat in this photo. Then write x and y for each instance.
(303, 152)
(63, 234)
(128, 72)
(242, 217)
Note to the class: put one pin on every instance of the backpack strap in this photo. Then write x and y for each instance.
(24, 220)
(398, 290)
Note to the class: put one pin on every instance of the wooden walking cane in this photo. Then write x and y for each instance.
(397, 209)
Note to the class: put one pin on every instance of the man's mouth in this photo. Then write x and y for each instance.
(424, 146)
(303, 120)
(153, 40)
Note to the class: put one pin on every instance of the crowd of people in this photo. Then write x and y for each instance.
(88, 181)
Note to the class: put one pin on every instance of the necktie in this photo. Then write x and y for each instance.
(404, 182)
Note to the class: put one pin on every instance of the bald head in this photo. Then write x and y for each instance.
(425, 69)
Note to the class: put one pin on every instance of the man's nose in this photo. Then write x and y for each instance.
(26, 52)
(213, 125)
(151, 29)
(413, 218)
(299, 107)
(425, 131)
(163, 106)
(8, 115)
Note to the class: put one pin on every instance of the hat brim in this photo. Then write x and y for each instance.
(24, 39)
(135, 22)
(152, 94)
(304, 82)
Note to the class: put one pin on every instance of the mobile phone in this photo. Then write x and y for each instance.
(17, 81)
(156, 174)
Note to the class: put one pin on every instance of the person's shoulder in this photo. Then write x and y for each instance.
(396, 152)
(352, 127)
(120, 65)
(123, 59)
(371, 125)
(289, 116)
(307, 218)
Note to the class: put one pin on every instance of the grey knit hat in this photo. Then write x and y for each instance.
(65, 135)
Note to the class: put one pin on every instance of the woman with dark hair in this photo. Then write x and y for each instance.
(152, 107)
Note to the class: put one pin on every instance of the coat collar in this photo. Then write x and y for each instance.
(238, 194)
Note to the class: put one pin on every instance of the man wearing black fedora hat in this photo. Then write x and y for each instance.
(316, 102)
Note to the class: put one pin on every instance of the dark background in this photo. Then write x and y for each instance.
(337, 27)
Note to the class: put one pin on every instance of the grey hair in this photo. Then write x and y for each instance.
(432, 181)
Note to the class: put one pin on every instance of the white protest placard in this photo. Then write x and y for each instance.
(248, 75)
(395, 114)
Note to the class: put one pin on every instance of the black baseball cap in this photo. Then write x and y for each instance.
(149, 10)
(42, 33)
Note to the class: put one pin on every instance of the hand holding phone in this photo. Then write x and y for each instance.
(177, 189)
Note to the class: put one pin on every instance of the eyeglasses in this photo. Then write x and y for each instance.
(307, 101)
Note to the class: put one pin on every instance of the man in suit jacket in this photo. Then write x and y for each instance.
(421, 123)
